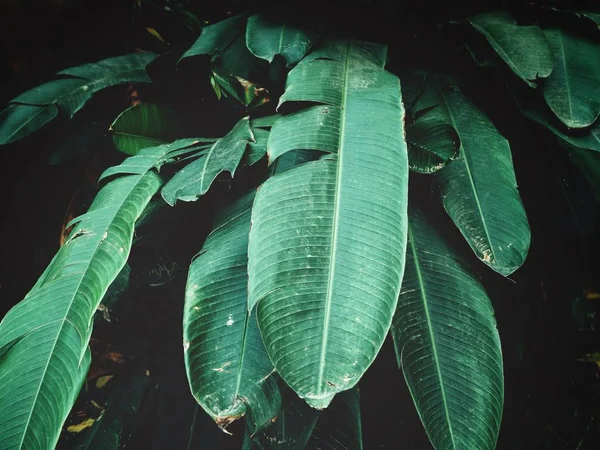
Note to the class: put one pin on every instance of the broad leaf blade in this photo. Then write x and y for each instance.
(267, 36)
(143, 126)
(215, 38)
(573, 91)
(315, 226)
(448, 345)
(195, 179)
(49, 330)
(19, 121)
(523, 48)
(228, 369)
(479, 188)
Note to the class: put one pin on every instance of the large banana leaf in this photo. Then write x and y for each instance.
(327, 243)
(43, 339)
(448, 345)
(432, 144)
(267, 36)
(479, 188)
(36, 107)
(523, 48)
(228, 369)
(573, 90)
(224, 155)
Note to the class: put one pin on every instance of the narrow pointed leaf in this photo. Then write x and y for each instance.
(267, 37)
(523, 48)
(323, 311)
(44, 338)
(573, 91)
(479, 188)
(339, 428)
(143, 126)
(19, 121)
(229, 372)
(432, 143)
(448, 345)
(195, 179)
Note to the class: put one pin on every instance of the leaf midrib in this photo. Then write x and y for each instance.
(335, 228)
(423, 295)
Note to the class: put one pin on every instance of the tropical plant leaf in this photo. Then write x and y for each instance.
(479, 188)
(339, 428)
(589, 164)
(19, 121)
(447, 345)
(44, 338)
(412, 82)
(257, 149)
(69, 94)
(267, 36)
(224, 155)
(573, 91)
(142, 126)
(432, 143)
(523, 48)
(228, 369)
(119, 414)
(322, 311)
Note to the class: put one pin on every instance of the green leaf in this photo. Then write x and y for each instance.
(47, 333)
(323, 311)
(119, 414)
(195, 179)
(267, 36)
(573, 91)
(216, 38)
(447, 345)
(412, 82)
(19, 121)
(69, 94)
(257, 149)
(523, 48)
(479, 188)
(264, 122)
(228, 369)
(432, 143)
(339, 428)
(142, 126)
(589, 164)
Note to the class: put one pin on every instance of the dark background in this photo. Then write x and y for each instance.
(546, 323)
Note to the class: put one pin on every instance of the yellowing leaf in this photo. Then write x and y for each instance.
(156, 34)
(78, 428)
(103, 381)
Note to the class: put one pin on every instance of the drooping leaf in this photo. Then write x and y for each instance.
(246, 92)
(314, 226)
(69, 94)
(44, 338)
(432, 143)
(573, 91)
(19, 121)
(291, 429)
(339, 428)
(229, 372)
(479, 188)
(523, 48)
(142, 126)
(118, 418)
(195, 179)
(448, 345)
(268, 36)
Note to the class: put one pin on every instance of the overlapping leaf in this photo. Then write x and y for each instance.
(228, 369)
(479, 188)
(43, 339)
(523, 48)
(268, 36)
(224, 155)
(448, 345)
(327, 243)
(432, 143)
(36, 107)
(573, 91)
